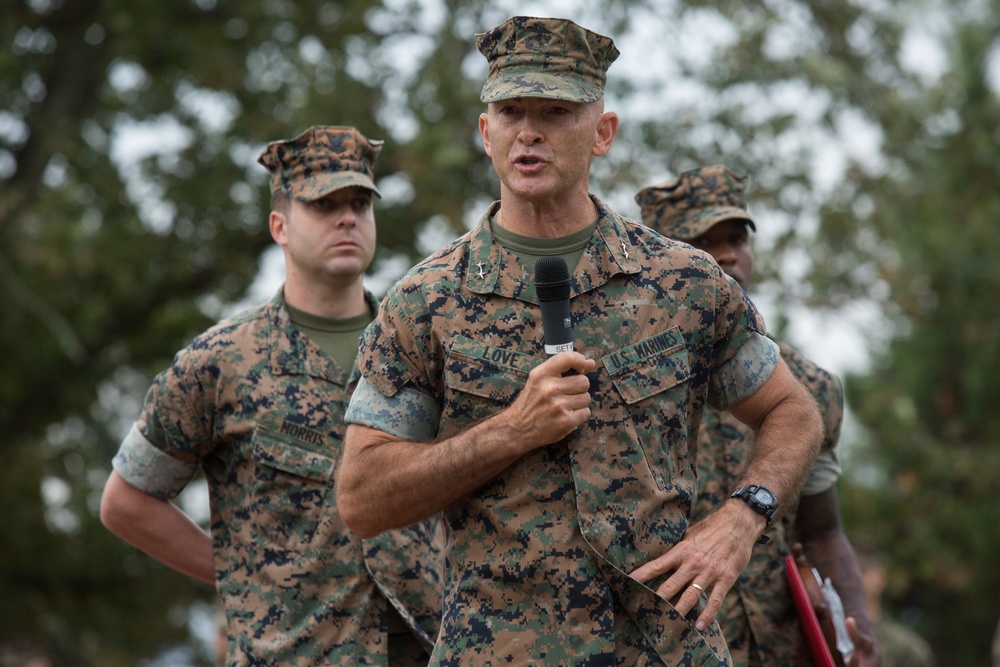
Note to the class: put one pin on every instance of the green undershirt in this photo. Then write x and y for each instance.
(338, 337)
(528, 248)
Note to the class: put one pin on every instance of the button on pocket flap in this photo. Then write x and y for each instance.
(650, 366)
(487, 371)
(293, 449)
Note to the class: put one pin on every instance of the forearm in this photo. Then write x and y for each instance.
(158, 528)
(819, 530)
(385, 482)
(781, 458)
(833, 557)
(788, 434)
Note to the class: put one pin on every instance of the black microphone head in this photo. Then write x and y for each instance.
(551, 279)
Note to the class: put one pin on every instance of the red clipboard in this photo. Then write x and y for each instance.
(807, 616)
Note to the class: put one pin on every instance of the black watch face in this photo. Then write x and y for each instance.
(764, 497)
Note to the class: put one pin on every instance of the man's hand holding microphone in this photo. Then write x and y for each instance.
(556, 398)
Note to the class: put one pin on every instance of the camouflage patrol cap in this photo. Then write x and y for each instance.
(322, 159)
(542, 57)
(694, 202)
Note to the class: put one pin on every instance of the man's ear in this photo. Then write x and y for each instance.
(484, 132)
(276, 222)
(607, 130)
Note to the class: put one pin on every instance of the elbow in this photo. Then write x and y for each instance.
(363, 498)
(118, 509)
(107, 514)
(111, 512)
(352, 509)
(355, 518)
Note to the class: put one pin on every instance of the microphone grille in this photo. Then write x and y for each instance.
(551, 279)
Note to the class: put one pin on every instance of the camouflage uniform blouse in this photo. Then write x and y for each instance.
(758, 617)
(260, 408)
(537, 558)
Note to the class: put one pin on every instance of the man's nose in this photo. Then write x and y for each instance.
(724, 253)
(344, 216)
(528, 133)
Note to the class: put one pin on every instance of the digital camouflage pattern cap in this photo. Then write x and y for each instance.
(691, 204)
(543, 57)
(322, 159)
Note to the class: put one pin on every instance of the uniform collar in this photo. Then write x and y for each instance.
(494, 269)
(292, 353)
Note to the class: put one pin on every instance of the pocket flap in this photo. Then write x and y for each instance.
(293, 448)
(650, 366)
(484, 370)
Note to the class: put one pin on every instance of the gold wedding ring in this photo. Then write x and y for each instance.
(700, 589)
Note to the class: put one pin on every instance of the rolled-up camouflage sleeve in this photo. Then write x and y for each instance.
(824, 474)
(408, 414)
(164, 449)
(149, 469)
(743, 374)
(395, 356)
(828, 391)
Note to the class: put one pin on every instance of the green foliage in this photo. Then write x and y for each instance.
(118, 245)
(928, 404)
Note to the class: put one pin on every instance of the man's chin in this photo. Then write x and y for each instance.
(532, 189)
(345, 269)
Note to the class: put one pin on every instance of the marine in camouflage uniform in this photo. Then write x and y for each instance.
(541, 551)
(758, 618)
(258, 405)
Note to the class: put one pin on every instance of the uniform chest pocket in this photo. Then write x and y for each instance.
(493, 375)
(653, 379)
(292, 483)
(480, 381)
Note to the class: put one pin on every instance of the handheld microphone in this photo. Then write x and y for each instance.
(552, 288)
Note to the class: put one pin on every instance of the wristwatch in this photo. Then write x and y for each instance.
(760, 500)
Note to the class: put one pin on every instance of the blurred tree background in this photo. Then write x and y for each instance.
(132, 215)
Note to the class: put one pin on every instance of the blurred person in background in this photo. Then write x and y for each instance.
(257, 403)
(706, 208)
